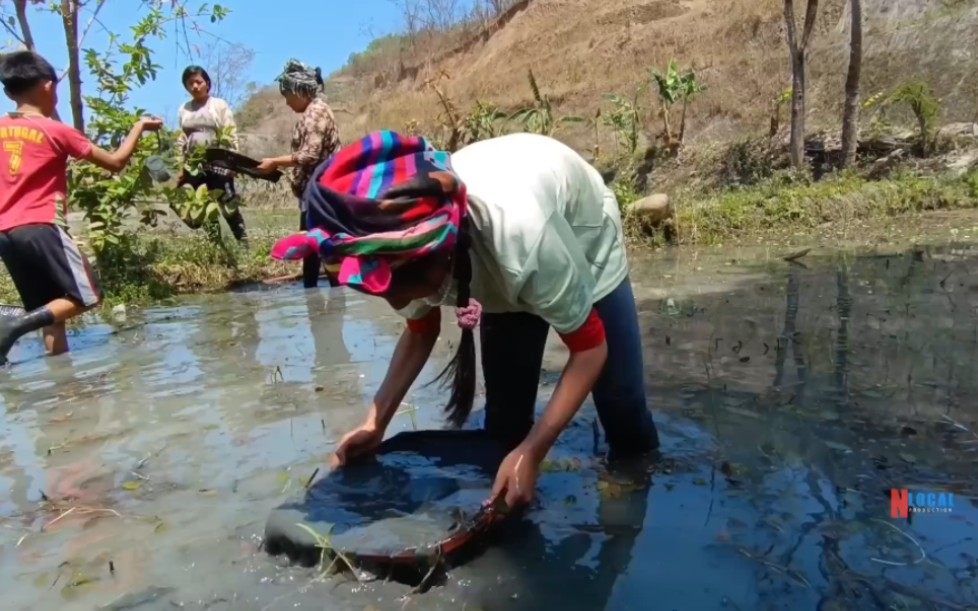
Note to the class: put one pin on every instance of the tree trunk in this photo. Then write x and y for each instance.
(69, 17)
(20, 6)
(797, 147)
(850, 119)
(682, 123)
(924, 132)
(797, 50)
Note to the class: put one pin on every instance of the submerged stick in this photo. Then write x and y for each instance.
(797, 255)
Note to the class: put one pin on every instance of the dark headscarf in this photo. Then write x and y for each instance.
(300, 79)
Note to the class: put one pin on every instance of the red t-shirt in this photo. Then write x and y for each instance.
(34, 154)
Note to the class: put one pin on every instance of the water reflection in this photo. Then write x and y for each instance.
(876, 402)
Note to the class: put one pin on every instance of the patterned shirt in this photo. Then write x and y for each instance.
(314, 139)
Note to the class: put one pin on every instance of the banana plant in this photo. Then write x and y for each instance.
(675, 87)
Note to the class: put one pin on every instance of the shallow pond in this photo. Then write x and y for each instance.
(137, 472)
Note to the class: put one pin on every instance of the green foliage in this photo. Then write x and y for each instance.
(624, 188)
(789, 200)
(378, 50)
(918, 97)
(675, 87)
(484, 121)
(540, 118)
(625, 119)
(107, 200)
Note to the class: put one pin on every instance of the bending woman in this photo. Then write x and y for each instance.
(201, 120)
(520, 234)
(314, 138)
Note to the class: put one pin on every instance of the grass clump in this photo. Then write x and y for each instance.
(789, 200)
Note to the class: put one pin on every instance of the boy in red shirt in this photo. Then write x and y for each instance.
(53, 277)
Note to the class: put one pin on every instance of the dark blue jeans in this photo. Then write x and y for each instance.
(512, 354)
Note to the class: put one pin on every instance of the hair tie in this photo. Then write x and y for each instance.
(468, 317)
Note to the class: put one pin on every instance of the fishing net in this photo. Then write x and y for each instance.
(421, 500)
(237, 162)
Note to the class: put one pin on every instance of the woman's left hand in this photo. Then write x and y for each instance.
(516, 479)
(267, 165)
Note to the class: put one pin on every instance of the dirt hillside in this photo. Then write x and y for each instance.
(582, 50)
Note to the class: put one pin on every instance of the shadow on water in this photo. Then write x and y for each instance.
(790, 398)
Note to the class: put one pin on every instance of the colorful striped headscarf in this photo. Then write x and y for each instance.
(377, 204)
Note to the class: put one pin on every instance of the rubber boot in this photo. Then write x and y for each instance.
(13, 328)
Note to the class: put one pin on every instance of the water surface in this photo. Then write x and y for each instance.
(790, 401)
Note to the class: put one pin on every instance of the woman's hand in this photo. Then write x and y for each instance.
(358, 442)
(267, 165)
(516, 480)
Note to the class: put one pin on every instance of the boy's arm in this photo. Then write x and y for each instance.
(117, 160)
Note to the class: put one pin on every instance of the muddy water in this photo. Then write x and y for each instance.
(790, 401)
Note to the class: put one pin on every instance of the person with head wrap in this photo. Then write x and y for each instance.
(520, 234)
(314, 138)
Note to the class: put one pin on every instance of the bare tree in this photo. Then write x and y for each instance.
(27, 38)
(22, 33)
(798, 49)
(227, 64)
(850, 118)
(69, 17)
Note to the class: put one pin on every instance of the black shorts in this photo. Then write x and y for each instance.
(45, 264)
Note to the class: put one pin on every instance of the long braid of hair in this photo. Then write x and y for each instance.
(462, 366)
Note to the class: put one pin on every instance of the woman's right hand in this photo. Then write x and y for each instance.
(267, 165)
(358, 442)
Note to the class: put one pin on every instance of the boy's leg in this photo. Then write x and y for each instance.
(30, 282)
(56, 338)
(619, 394)
(512, 353)
(61, 284)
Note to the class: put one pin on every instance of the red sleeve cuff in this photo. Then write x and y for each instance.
(430, 321)
(590, 335)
